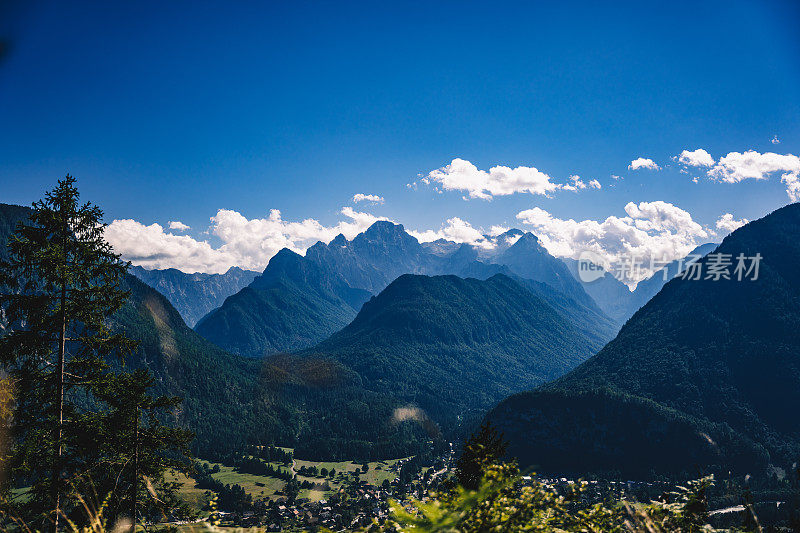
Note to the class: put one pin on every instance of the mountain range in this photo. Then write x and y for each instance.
(412, 364)
(300, 300)
(360, 358)
(195, 295)
(706, 375)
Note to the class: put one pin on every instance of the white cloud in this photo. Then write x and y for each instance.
(736, 167)
(456, 230)
(775, 140)
(178, 226)
(152, 247)
(696, 158)
(578, 184)
(461, 175)
(374, 198)
(494, 231)
(643, 162)
(247, 243)
(792, 186)
(615, 177)
(727, 223)
(657, 230)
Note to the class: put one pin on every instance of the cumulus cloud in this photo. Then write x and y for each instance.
(578, 184)
(494, 231)
(775, 140)
(736, 167)
(696, 158)
(152, 247)
(374, 198)
(247, 243)
(649, 230)
(456, 230)
(178, 226)
(461, 175)
(726, 223)
(643, 163)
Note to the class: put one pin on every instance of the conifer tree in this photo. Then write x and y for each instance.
(481, 450)
(135, 446)
(61, 283)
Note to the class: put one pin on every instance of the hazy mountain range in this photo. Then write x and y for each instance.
(195, 295)
(617, 300)
(300, 300)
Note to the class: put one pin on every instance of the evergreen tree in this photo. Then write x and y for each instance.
(481, 450)
(62, 281)
(134, 445)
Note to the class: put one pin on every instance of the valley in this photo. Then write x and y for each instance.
(336, 400)
(301, 493)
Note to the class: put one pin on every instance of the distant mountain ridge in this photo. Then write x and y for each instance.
(619, 302)
(279, 311)
(707, 370)
(195, 295)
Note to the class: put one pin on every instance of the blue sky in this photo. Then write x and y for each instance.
(174, 111)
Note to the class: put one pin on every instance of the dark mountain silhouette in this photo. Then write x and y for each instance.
(707, 374)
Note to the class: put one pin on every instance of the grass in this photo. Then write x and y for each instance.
(249, 482)
(194, 496)
(267, 487)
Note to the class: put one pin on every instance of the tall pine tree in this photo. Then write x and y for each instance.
(135, 447)
(61, 282)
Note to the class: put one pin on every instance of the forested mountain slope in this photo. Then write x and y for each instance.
(706, 373)
(451, 345)
(217, 388)
(293, 304)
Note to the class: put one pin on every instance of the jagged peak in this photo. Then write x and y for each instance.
(527, 240)
(465, 250)
(283, 257)
(384, 227)
(513, 232)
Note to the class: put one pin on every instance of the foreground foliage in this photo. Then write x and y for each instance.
(503, 502)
